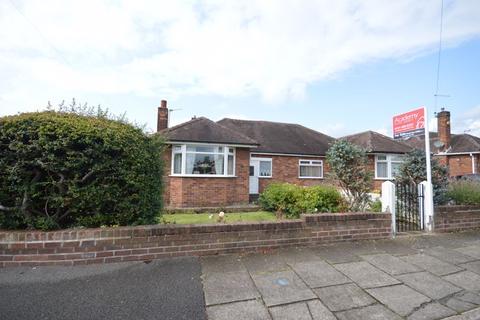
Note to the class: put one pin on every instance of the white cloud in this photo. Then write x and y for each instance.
(468, 122)
(146, 48)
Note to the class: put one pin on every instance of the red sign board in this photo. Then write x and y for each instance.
(409, 124)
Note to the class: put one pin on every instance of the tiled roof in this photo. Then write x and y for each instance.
(460, 143)
(287, 138)
(374, 142)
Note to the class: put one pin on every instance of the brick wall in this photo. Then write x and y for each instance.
(143, 243)
(456, 218)
(459, 164)
(286, 169)
(208, 191)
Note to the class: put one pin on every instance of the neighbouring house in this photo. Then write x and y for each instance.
(459, 152)
(385, 155)
(229, 162)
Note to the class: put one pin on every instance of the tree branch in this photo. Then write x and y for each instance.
(3, 208)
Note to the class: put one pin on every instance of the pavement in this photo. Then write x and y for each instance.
(162, 289)
(410, 277)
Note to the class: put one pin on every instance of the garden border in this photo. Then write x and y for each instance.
(145, 243)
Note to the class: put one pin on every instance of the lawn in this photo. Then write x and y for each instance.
(203, 218)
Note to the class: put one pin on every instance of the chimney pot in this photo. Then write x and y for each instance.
(162, 116)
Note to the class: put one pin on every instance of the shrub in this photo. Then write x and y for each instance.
(61, 169)
(464, 192)
(348, 165)
(376, 206)
(292, 200)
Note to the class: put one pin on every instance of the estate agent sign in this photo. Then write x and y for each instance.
(409, 124)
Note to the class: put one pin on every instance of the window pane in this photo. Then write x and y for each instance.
(310, 171)
(381, 157)
(230, 165)
(201, 148)
(265, 168)
(230, 150)
(203, 163)
(177, 148)
(395, 168)
(316, 162)
(177, 163)
(382, 171)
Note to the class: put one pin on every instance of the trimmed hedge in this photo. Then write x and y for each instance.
(292, 200)
(62, 170)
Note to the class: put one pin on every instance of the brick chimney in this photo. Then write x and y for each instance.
(162, 117)
(443, 124)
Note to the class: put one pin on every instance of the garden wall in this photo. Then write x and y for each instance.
(456, 218)
(144, 243)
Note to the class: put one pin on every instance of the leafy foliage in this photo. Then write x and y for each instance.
(348, 165)
(414, 170)
(464, 192)
(74, 168)
(292, 200)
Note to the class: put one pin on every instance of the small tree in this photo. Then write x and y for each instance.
(414, 170)
(348, 165)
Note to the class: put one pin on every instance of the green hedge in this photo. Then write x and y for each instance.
(464, 192)
(292, 200)
(63, 170)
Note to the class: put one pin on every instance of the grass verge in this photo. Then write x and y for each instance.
(204, 218)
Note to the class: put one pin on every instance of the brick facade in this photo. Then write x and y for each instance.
(144, 243)
(286, 169)
(456, 218)
(208, 191)
(460, 164)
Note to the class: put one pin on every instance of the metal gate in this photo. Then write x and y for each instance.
(409, 207)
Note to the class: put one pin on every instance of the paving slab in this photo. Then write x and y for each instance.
(224, 287)
(473, 251)
(344, 297)
(261, 263)
(298, 254)
(374, 312)
(431, 264)
(319, 274)
(282, 287)
(319, 311)
(390, 264)
(465, 279)
(308, 310)
(473, 266)
(400, 299)
(336, 255)
(398, 247)
(243, 310)
(224, 263)
(472, 314)
(366, 275)
(449, 255)
(462, 301)
(429, 284)
(431, 311)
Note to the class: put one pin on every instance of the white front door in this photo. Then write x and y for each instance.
(254, 171)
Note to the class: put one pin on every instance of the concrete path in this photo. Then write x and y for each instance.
(416, 277)
(164, 289)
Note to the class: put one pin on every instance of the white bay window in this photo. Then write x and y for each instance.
(387, 166)
(203, 160)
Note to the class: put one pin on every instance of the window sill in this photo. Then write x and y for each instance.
(317, 178)
(383, 179)
(199, 176)
(262, 177)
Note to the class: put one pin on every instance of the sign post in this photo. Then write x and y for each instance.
(415, 123)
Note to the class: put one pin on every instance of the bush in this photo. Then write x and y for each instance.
(61, 169)
(376, 206)
(464, 192)
(292, 200)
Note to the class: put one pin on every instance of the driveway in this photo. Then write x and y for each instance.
(419, 277)
(163, 289)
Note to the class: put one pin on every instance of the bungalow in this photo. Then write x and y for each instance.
(231, 161)
(459, 152)
(385, 155)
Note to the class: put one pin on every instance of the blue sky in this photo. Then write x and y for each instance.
(338, 68)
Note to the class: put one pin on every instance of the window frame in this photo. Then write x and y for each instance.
(389, 161)
(260, 159)
(183, 151)
(310, 164)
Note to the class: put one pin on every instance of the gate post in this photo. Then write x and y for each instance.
(428, 205)
(389, 202)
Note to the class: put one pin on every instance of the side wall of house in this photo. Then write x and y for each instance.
(286, 169)
(460, 164)
(377, 183)
(181, 192)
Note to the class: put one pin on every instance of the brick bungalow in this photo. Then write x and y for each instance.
(229, 162)
(385, 154)
(459, 152)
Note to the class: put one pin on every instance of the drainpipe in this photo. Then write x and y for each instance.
(473, 163)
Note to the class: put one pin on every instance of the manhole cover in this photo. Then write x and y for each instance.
(282, 282)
